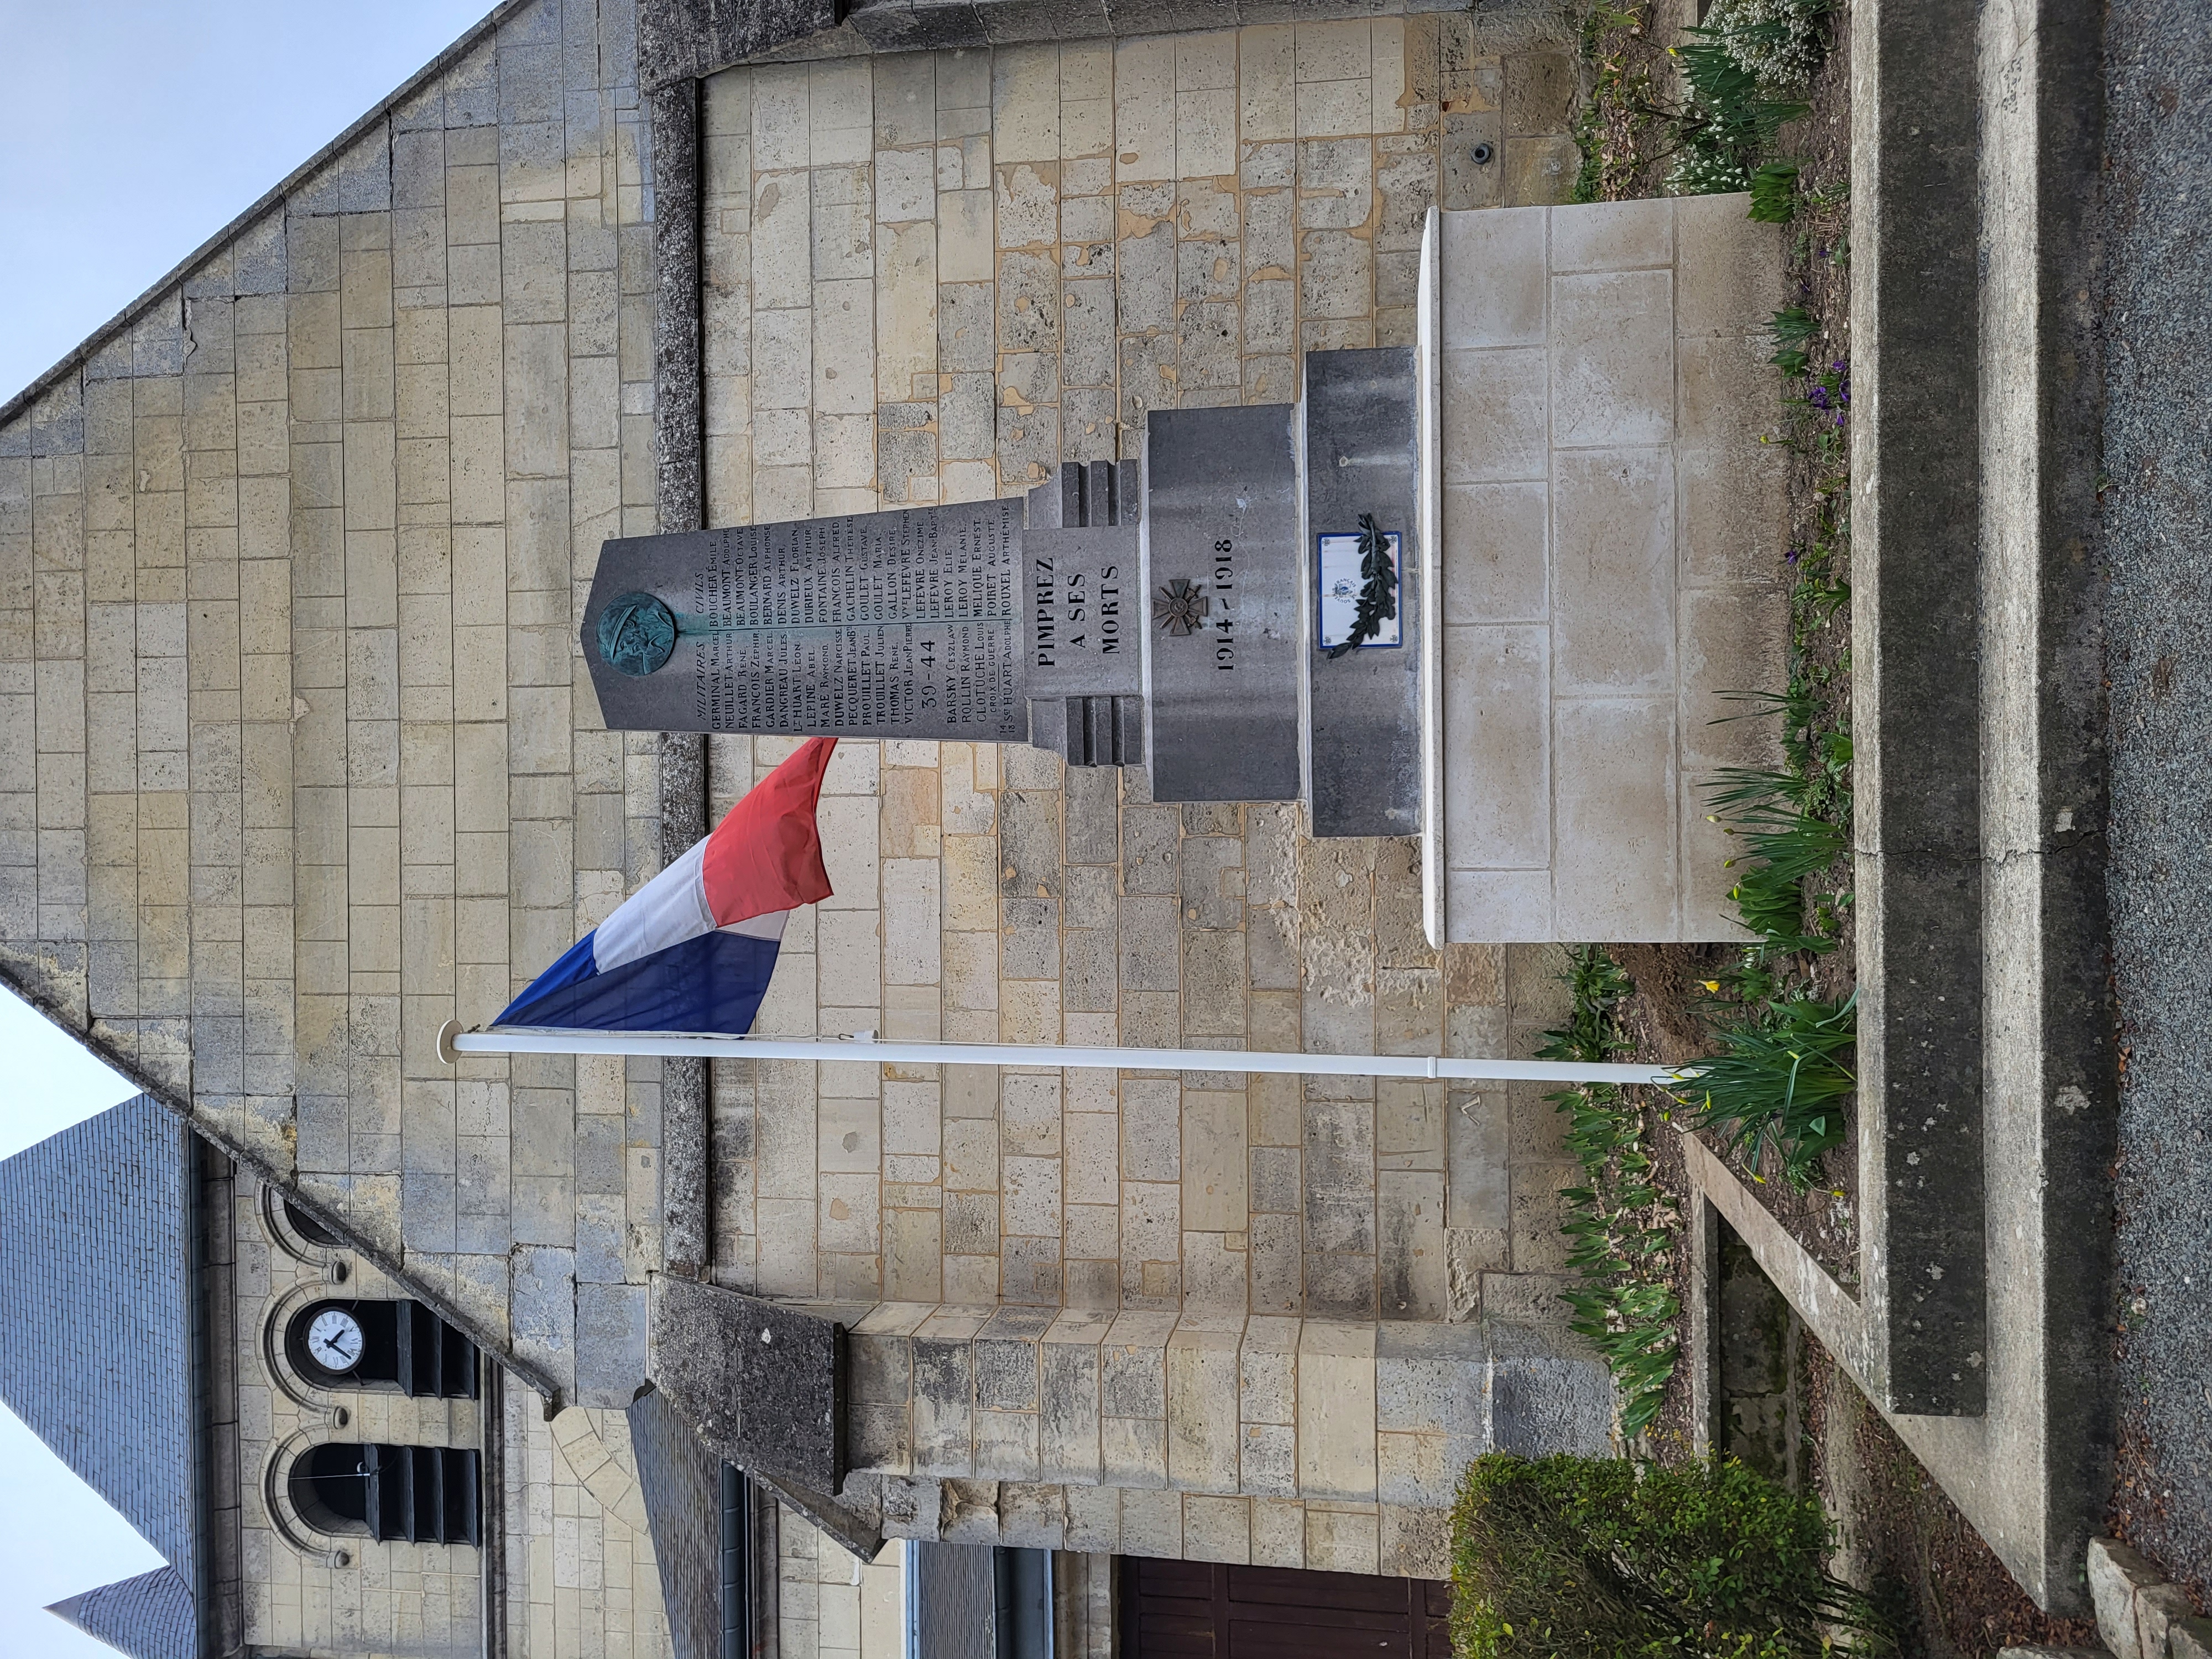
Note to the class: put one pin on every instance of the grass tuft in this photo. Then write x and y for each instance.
(1779, 1087)
(1774, 192)
(1791, 327)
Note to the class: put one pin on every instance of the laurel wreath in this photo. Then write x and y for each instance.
(1378, 590)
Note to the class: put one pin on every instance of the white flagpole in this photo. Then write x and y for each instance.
(453, 1042)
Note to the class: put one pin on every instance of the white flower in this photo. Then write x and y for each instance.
(1703, 173)
(1780, 42)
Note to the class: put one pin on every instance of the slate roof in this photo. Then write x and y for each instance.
(681, 1480)
(149, 1617)
(95, 1342)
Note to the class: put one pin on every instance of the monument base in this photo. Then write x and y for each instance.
(1494, 590)
(1609, 525)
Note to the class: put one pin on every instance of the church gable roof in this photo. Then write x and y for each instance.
(682, 1482)
(149, 1617)
(95, 1314)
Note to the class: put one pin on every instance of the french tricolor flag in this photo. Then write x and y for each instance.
(692, 950)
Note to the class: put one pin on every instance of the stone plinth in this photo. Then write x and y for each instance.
(1610, 531)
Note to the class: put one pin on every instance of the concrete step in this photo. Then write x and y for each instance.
(1988, 1080)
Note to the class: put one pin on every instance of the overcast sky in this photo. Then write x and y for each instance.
(130, 133)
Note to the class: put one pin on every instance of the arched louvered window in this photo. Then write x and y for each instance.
(423, 1494)
(355, 1343)
(310, 1229)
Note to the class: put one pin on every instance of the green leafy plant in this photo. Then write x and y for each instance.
(1570, 1558)
(1728, 117)
(1778, 1090)
(1779, 1093)
(1787, 836)
(1791, 327)
(1702, 168)
(1597, 985)
(1738, 69)
(1794, 821)
(1774, 192)
(1619, 1224)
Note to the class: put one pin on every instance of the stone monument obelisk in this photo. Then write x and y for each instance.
(1162, 611)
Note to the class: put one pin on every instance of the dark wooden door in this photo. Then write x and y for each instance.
(1205, 1610)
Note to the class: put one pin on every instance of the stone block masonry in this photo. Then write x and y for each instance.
(934, 277)
(1611, 525)
(293, 758)
(297, 759)
(562, 1501)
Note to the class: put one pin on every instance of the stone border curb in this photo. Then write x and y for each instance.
(1988, 1079)
(2140, 1614)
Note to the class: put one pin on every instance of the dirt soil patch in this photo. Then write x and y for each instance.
(1823, 1219)
(1903, 1542)
(1667, 1021)
(1672, 1014)
(1672, 1436)
(1627, 78)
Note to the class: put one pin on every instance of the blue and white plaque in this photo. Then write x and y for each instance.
(1338, 568)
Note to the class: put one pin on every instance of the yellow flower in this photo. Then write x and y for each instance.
(1712, 985)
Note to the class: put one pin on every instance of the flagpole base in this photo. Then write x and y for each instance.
(447, 1033)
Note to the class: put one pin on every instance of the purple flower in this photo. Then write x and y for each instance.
(1818, 396)
(1840, 418)
(1793, 555)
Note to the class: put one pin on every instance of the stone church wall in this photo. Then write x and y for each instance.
(298, 760)
(564, 1518)
(295, 761)
(932, 277)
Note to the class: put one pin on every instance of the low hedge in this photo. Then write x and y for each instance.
(1574, 1558)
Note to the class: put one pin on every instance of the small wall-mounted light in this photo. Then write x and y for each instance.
(1482, 153)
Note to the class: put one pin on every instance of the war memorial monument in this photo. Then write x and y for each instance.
(1269, 572)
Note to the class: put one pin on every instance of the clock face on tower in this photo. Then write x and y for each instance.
(334, 1340)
